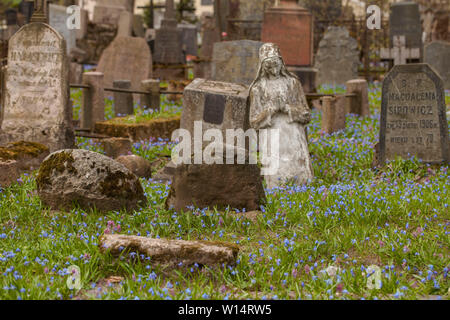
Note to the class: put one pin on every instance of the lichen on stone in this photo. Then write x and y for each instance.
(21, 149)
(60, 162)
(119, 184)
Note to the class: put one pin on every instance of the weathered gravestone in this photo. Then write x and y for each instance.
(36, 104)
(230, 179)
(189, 38)
(437, 55)
(413, 120)
(290, 26)
(404, 20)
(126, 58)
(217, 105)
(236, 61)
(168, 41)
(337, 59)
(58, 20)
(244, 18)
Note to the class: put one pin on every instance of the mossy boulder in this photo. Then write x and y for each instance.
(88, 179)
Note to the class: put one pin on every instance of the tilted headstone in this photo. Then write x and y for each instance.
(404, 20)
(337, 59)
(437, 55)
(36, 104)
(189, 38)
(236, 61)
(413, 120)
(168, 41)
(58, 20)
(126, 58)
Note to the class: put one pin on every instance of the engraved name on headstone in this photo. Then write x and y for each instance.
(413, 120)
(36, 99)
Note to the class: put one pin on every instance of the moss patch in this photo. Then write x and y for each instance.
(22, 149)
(120, 185)
(60, 162)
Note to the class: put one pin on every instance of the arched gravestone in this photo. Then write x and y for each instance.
(236, 61)
(36, 104)
(413, 120)
(337, 59)
(126, 58)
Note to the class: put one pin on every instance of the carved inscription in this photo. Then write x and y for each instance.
(36, 89)
(412, 116)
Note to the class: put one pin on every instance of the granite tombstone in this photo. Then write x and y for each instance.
(413, 120)
(126, 58)
(337, 59)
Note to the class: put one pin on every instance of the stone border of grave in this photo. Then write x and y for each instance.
(155, 128)
(411, 68)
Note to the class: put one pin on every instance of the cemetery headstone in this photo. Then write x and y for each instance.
(290, 26)
(404, 20)
(168, 41)
(413, 119)
(189, 38)
(58, 20)
(138, 26)
(125, 26)
(337, 59)
(123, 101)
(236, 61)
(107, 14)
(437, 55)
(244, 18)
(126, 58)
(36, 101)
(218, 105)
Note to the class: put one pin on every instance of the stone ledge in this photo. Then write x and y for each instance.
(156, 128)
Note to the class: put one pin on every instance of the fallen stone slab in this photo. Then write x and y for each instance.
(171, 252)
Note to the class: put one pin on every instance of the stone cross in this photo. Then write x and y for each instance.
(399, 53)
(39, 14)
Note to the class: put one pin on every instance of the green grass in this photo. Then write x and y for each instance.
(350, 217)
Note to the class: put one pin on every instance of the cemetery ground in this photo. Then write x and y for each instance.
(308, 242)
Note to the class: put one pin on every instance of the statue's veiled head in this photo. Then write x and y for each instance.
(270, 59)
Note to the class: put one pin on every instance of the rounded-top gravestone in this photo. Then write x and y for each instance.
(35, 103)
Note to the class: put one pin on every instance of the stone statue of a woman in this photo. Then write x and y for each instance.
(277, 101)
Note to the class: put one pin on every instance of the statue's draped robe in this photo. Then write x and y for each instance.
(281, 104)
